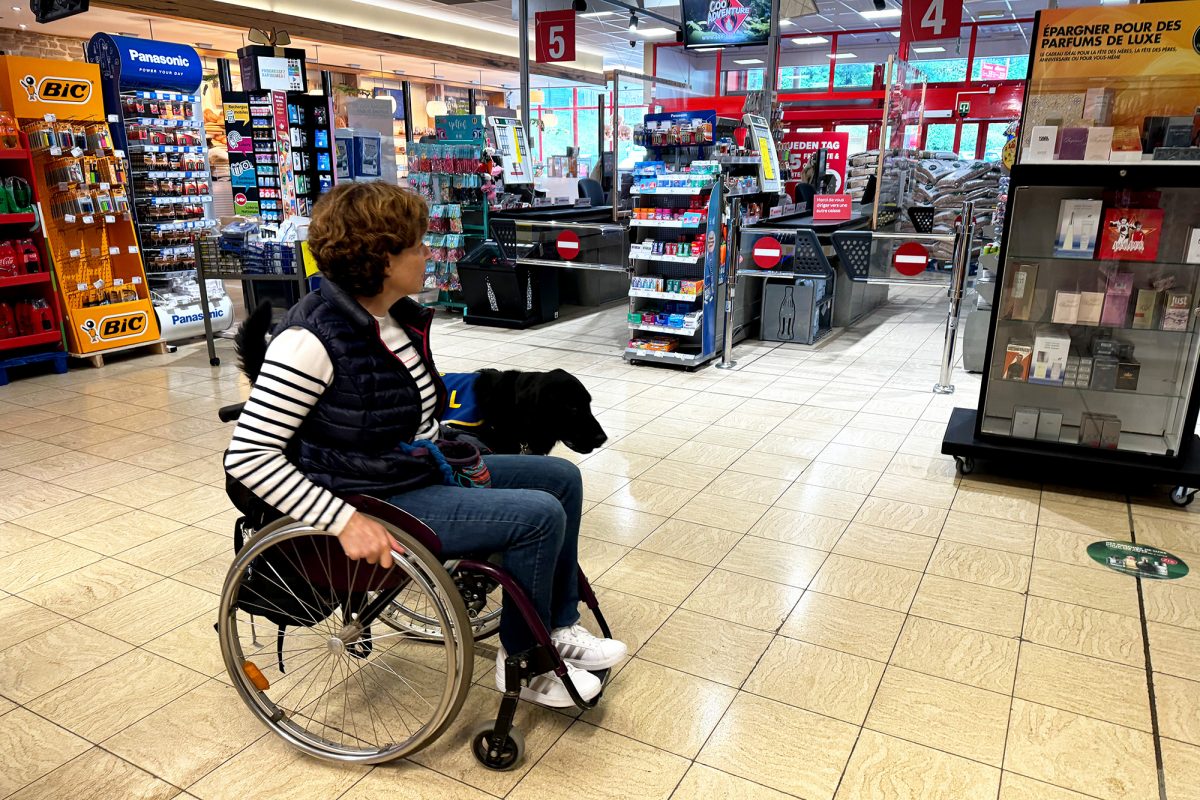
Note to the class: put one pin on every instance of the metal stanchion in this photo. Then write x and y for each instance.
(964, 234)
(731, 264)
(201, 279)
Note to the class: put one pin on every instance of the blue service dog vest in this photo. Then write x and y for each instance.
(462, 408)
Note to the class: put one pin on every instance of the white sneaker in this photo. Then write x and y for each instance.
(580, 648)
(548, 689)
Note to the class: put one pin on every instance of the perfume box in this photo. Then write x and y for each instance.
(1091, 428)
(1049, 360)
(1145, 310)
(1023, 283)
(1043, 143)
(1177, 311)
(1127, 375)
(1126, 144)
(1016, 361)
(1116, 299)
(1072, 145)
(1049, 424)
(1066, 308)
(1090, 306)
(1192, 254)
(1104, 373)
(1078, 228)
(1099, 144)
(1025, 422)
(1084, 380)
(1110, 431)
(1098, 106)
(1105, 346)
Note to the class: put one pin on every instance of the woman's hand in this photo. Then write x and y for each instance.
(365, 538)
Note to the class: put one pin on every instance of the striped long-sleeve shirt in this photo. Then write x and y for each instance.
(297, 370)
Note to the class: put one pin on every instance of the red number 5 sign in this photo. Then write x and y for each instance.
(923, 20)
(555, 36)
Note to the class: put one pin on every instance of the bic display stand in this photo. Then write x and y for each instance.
(81, 183)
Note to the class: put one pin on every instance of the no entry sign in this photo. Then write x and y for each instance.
(568, 245)
(910, 259)
(768, 252)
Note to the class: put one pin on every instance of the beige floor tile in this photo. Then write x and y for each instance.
(209, 574)
(192, 506)
(101, 702)
(14, 538)
(618, 462)
(647, 443)
(706, 455)
(591, 763)
(148, 490)
(877, 439)
(886, 768)
(706, 646)
(150, 612)
(51, 658)
(1069, 547)
(1173, 650)
(855, 628)
(1172, 604)
(808, 429)
(30, 496)
(70, 517)
(168, 456)
(681, 475)
(90, 587)
(1084, 685)
(190, 736)
(936, 494)
(851, 456)
(1178, 702)
(20, 619)
(57, 466)
(194, 645)
(797, 527)
(656, 704)
(901, 516)
(928, 468)
(885, 546)
(1181, 765)
(967, 562)
(1074, 517)
(179, 550)
(835, 476)
(412, 782)
(31, 747)
(650, 498)
(970, 605)
(980, 659)
(129, 446)
(998, 534)
(1080, 753)
(44, 562)
(114, 473)
(691, 542)
(706, 783)
(781, 746)
(6, 706)
(28, 452)
(774, 561)
(866, 582)
(789, 447)
(1002, 502)
(819, 500)
(633, 619)
(1087, 631)
(766, 465)
(1094, 587)
(621, 526)
(941, 714)
(740, 487)
(659, 578)
(98, 775)
(270, 769)
(743, 599)
(721, 512)
(829, 682)
(1018, 787)
(121, 533)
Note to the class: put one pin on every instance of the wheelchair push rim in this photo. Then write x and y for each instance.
(347, 694)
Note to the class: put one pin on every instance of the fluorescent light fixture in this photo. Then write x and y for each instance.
(800, 40)
(705, 49)
(747, 61)
(929, 49)
(1114, 2)
(653, 32)
(896, 34)
(398, 72)
(838, 56)
(204, 45)
(990, 15)
(597, 14)
(883, 13)
(354, 66)
(786, 23)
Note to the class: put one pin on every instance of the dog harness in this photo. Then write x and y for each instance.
(462, 408)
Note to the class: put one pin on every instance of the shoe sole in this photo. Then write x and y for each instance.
(595, 667)
(538, 699)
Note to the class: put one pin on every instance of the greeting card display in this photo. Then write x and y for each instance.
(1131, 234)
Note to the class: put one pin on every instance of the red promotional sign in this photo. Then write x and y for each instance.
(993, 72)
(767, 252)
(828, 207)
(567, 245)
(802, 146)
(923, 20)
(555, 39)
(910, 259)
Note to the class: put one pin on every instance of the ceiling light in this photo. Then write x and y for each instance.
(895, 34)
(23, 26)
(989, 15)
(16, 8)
(747, 61)
(929, 49)
(633, 22)
(355, 66)
(398, 72)
(204, 45)
(842, 55)
(1114, 2)
(705, 49)
(598, 14)
(886, 13)
(809, 40)
(786, 23)
(652, 32)
(436, 108)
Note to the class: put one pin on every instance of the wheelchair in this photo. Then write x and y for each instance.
(372, 664)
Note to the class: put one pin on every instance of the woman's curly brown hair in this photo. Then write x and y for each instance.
(356, 226)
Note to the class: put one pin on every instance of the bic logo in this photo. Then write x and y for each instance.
(75, 91)
(115, 326)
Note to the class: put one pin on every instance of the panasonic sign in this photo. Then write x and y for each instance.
(161, 60)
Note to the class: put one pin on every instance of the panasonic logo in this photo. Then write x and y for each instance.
(154, 58)
(177, 319)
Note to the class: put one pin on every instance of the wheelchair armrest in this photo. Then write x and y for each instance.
(230, 413)
(398, 518)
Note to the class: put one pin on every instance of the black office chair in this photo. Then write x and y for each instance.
(868, 195)
(805, 193)
(592, 190)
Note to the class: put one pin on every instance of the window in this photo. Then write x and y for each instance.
(858, 138)
(586, 120)
(967, 139)
(940, 136)
(1000, 68)
(740, 81)
(556, 139)
(994, 140)
(804, 77)
(946, 70)
(853, 76)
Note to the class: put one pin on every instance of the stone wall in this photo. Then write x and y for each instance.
(26, 43)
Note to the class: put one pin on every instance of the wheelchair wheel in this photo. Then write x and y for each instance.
(410, 612)
(345, 691)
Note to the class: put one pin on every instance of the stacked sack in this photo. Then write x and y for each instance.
(945, 181)
(859, 170)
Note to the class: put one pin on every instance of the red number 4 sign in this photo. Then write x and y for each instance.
(555, 40)
(923, 20)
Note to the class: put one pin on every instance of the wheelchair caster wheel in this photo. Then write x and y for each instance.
(966, 465)
(1181, 496)
(500, 759)
(214, 362)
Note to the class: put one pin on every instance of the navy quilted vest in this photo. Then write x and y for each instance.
(349, 442)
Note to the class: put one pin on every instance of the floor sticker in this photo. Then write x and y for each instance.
(1138, 560)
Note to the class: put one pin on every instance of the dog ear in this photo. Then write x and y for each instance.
(251, 341)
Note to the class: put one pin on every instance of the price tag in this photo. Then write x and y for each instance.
(206, 198)
(88, 219)
(50, 118)
(81, 287)
(98, 284)
(132, 249)
(56, 151)
(114, 251)
(118, 281)
(119, 153)
(75, 151)
(95, 252)
(113, 118)
(777, 211)
(110, 219)
(69, 219)
(104, 187)
(136, 280)
(63, 186)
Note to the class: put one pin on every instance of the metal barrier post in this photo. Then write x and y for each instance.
(731, 264)
(201, 279)
(964, 234)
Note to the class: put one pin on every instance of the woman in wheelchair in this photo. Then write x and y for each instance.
(347, 403)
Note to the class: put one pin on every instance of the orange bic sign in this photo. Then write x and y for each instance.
(57, 90)
(34, 87)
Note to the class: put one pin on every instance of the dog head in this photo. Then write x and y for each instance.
(563, 410)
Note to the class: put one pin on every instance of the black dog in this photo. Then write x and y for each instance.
(516, 412)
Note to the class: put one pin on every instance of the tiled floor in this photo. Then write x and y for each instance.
(816, 605)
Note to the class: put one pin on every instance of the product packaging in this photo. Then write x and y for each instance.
(1131, 234)
(1127, 375)
(1110, 431)
(1049, 362)
(1017, 359)
(1021, 292)
(1049, 426)
(1099, 144)
(1104, 373)
(1072, 145)
(1078, 228)
(1090, 306)
(1066, 308)
(1025, 422)
(1091, 428)
(1145, 310)
(8, 321)
(1177, 311)
(1116, 299)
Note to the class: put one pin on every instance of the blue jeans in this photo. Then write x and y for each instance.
(530, 515)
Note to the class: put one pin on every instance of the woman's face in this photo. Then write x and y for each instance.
(406, 270)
